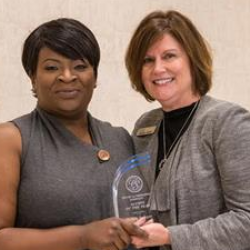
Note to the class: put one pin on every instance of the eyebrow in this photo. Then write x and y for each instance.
(170, 50)
(58, 60)
(165, 51)
(50, 59)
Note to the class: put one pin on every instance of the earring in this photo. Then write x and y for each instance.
(34, 92)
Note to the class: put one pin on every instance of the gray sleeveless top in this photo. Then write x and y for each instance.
(62, 180)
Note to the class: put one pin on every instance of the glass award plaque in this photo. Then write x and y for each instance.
(130, 188)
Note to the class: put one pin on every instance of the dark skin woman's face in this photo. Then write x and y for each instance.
(63, 86)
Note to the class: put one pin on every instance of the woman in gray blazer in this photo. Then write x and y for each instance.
(200, 173)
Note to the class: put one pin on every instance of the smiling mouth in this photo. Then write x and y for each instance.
(163, 81)
(67, 94)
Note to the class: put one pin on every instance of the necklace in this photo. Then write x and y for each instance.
(167, 153)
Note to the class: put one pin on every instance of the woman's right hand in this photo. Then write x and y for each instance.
(158, 235)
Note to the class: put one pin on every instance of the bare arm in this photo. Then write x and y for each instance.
(110, 234)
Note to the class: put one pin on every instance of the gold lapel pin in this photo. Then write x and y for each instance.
(103, 155)
(146, 131)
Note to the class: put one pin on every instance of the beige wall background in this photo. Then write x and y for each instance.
(225, 24)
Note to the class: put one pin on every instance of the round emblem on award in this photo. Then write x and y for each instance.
(103, 155)
(134, 184)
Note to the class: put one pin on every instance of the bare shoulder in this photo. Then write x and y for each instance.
(8, 128)
(10, 136)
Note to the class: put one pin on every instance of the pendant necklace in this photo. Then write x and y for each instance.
(167, 153)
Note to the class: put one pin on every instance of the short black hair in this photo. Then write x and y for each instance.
(65, 36)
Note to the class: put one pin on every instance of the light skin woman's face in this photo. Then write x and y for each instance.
(166, 74)
(64, 87)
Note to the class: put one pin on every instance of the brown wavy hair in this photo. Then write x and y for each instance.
(153, 27)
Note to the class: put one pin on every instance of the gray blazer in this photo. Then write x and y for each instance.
(202, 193)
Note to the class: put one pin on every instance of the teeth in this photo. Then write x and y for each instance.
(163, 81)
(68, 90)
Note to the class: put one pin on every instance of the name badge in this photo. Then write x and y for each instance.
(146, 131)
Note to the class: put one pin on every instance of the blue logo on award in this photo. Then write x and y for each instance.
(134, 184)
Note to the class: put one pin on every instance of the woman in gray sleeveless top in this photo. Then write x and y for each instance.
(57, 163)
